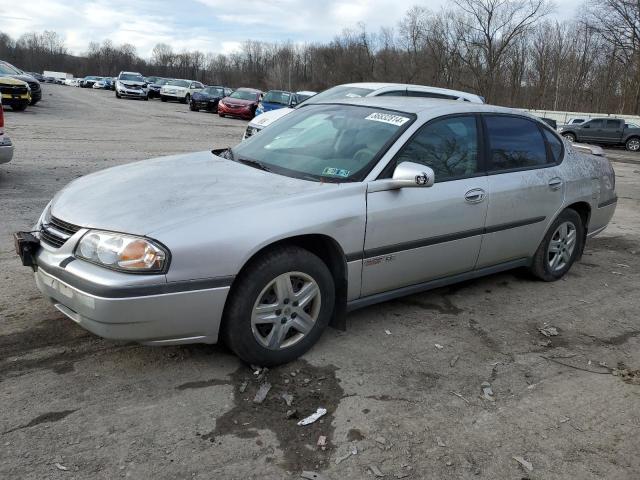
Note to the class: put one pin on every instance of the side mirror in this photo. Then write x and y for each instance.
(410, 174)
(406, 175)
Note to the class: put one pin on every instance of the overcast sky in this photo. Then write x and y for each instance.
(209, 25)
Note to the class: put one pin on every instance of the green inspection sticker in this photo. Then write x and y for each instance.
(338, 172)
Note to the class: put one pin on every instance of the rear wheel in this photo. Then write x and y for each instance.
(279, 307)
(633, 144)
(118, 95)
(163, 98)
(560, 247)
(570, 136)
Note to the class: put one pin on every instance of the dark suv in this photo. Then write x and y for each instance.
(604, 131)
(8, 70)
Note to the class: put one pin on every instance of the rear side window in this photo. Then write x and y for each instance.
(555, 145)
(393, 93)
(449, 146)
(514, 142)
(594, 124)
(614, 124)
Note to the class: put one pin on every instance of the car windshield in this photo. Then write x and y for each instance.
(7, 69)
(329, 143)
(130, 77)
(244, 95)
(338, 93)
(274, 96)
(216, 91)
(179, 83)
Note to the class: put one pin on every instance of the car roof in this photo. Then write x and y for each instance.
(246, 89)
(421, 105)
(375, 86)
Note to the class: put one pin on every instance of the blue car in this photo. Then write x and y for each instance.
(276, 99)
(208, 98)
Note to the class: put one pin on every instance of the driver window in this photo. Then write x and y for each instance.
(449, 146)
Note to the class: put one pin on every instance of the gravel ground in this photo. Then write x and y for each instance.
(79, 407)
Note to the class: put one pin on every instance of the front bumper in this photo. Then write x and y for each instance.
(241, 112)
(6, 149)
(128, 92)
(107, 304)
(19, 100)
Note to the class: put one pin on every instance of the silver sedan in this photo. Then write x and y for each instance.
(334, 207)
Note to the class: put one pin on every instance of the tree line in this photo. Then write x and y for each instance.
(512, 52)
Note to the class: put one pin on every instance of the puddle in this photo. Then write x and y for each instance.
(311, 387)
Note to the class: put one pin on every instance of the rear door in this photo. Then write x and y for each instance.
(612, 131)
(414, 235)
(525, 184)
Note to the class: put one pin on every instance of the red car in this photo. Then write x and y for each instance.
(241, 103)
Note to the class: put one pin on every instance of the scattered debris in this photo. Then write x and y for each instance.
(288, 398)
(313, 417)
(438, 346)
(322, 442)
(440, 442)
(243, 387)
(524, 464)
(631, 377)
(381, 440)
(548, 331)
(376, 471)
(292, 414)
(59, 466)
(402, 475)
(312, 476)
(460, 396)
(623, 265)
(544, 343)
(454, 360)
(487, 392)
(387, 332)
(262, 392)
(342, 458)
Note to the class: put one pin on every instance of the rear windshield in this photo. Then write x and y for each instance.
(216, 91)
(281, 98)
(179, 83)
(244, 95)
(340, 92)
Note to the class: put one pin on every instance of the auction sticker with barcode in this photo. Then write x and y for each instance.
(396, 120)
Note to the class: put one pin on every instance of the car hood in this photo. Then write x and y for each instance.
(6, 80)
(146, 196)
(237, 101)
(25, 78)
(269, 117)
(173, 87)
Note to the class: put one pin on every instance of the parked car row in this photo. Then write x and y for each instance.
(18, 88)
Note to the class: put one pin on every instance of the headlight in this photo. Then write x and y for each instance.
(122, 252)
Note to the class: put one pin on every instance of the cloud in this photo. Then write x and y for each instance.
(217, 26)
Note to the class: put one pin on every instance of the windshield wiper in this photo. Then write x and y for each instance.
(253, 163)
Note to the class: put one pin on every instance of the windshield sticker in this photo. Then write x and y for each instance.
(396, 120)
(338, 172)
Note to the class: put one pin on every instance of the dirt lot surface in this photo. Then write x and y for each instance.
(404, 404)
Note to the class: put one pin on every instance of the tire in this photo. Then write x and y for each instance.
(146, 99)
(221, 115)
(185, 99)
(163, 98)
(633, 144)
(249, 340)
(33, 102)
(570, 136)
(543, 261)
(118, 95)
(193, 108)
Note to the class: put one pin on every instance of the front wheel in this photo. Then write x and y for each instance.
(560, 247)
(633, 144)
(118, 95)
(192, 107)
(279, 307)
(570, 136)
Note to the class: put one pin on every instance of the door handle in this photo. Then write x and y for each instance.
(555, 183)
(477, 195)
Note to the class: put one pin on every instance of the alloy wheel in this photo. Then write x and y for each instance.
(633, 145)
(561, 246)
(286, 310)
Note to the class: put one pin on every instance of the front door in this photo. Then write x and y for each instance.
(414, 235)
